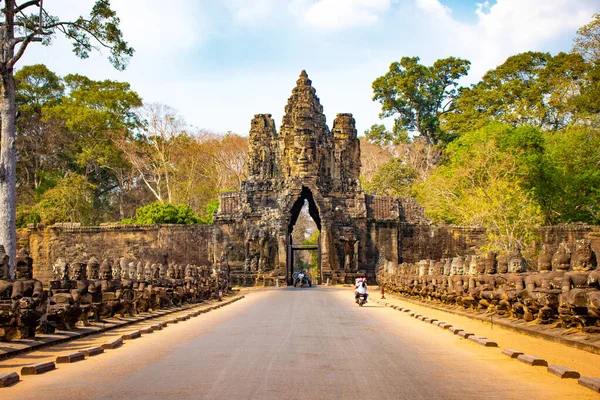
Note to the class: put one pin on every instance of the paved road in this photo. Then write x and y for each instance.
(304, 343)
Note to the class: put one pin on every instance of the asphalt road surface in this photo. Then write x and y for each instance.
(299, 343)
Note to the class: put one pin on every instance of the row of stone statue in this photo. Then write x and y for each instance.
(90, 291)
(563, 290)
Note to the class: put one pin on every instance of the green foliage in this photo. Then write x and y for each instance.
(71, 200)
(165, 213)
(394, 178)
(26, 215)
(530, 88)
(379, 135)
(209, 212)
(37, 88)
(417, 95)
(482, 184)
(587, 41)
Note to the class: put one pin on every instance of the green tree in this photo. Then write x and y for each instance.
(380, 136)
(41, 145)
(164, 213)
(527, 89)
(71, 200)
(483, 184)
(394, 178)
(587, 41)
(18, 29)
(417, 95)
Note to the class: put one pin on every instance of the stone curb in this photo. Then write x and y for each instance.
(131, 335)
(112, 344)
(465, 334)
(445, 326)
(563, 372)
(512, 353)
(590, 383)
(146, 330)
(455, 330)
(93, 351)
(504, 324)
(532, 360)
(39, 368)
(8, 379)
(70, 358)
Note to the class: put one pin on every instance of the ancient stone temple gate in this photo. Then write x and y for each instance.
(304, 161)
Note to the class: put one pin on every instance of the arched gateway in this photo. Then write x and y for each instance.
(304, 161)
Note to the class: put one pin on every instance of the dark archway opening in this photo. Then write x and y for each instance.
(303, 239)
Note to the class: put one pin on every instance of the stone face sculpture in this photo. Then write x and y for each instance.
(28, 294)
(575, 289)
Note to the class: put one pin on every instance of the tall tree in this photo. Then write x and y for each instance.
(530, 88)
(19, 27)
(417, 95)
(587, 41)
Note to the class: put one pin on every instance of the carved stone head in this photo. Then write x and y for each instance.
(23, 265)
(171, 271)
(93, 268)
(471, 262)
(490, 262)
(561, 260)
(115, 269)
(180, 273)
(423, 264)
(155, 271)
(78, 271)
(148, 270)
(584, 258)
(60, 270)
(480, 265)
(162, 271)
(544, 261)
(189, 273)
(106, 270)
(516, 262)
(438, 267)
(139, 272)
(131, 271)
(447, 266)
(502, 260)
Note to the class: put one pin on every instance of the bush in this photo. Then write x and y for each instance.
(165, 213)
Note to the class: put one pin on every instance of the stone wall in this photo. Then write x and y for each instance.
(165, 243)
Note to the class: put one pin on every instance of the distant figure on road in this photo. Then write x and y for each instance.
(361, 289)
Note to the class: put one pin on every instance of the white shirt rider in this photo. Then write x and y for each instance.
(362, 288)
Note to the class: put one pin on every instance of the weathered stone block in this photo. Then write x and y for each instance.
(8, 379)
(157, 327)
(464, 334)
(70, 358)
(455, 330)
(147, 330)
(512, 353)
(563, 372)
(444, 325)
(590, 383)
(172, 321)
(532, 360)
(92, 351)
(432, 320)
(131, 335)
(39, 368)
(112, 344)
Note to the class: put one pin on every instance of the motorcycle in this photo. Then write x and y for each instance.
(362, 299)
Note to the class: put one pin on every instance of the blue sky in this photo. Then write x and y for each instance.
(219, 62)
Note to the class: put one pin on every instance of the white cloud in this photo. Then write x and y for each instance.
(250, 12)
(339, 14)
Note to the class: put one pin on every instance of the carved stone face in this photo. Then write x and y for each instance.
(78, 272)
(148, 271)
(93, 271)
(472, 265)
(131, 271)
(438, 267)
(490, 263)
(106, 271)
(545, 259)
(480, 265)
(502, 264)
(115, 271)
(162, 271)
(561, 260)
(23, 265)
(431, 267)
(139, 272)
(516, 264)
(59, 269)
(583, 258)
(447, 266)
(171, 272)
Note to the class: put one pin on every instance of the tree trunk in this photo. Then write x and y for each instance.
(8, 195)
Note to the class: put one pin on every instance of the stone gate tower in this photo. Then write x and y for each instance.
(304, 161)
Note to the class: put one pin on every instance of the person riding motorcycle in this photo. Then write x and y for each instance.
(361, 289)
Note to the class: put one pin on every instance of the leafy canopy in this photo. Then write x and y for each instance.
(417, 95)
